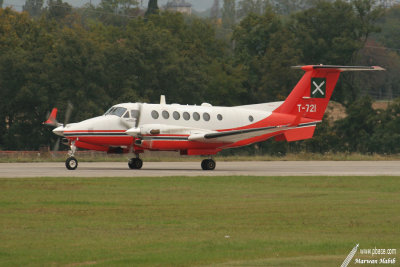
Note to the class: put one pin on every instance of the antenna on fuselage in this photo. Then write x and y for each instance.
(162, 100)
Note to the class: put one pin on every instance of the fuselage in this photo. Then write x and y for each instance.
(142, 126)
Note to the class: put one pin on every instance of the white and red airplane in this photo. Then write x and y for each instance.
(205, 129)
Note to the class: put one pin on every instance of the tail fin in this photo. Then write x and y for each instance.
(312, 93)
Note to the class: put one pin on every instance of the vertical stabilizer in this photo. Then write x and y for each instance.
(311, 95)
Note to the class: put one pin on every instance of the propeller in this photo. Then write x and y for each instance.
(57, 145)
(52, 117)
(140, 113)
(68, 112)
(52, 121)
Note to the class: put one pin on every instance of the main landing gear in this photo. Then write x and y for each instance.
(71, 163)
(208, 164)
(135, 163)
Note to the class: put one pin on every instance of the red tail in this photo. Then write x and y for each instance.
(312, 93)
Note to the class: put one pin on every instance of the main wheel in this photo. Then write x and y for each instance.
(71, 163)
(135, 163)
(208, 164)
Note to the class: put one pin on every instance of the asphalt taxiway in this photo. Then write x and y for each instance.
(248, 168)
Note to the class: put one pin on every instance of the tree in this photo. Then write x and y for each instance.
(264, 45)
(390, 28)
(287, 7)
(251, 6)
(122, 7)
(115, 12)
(33, 7)
(229, 14)
(152, 8)
(339, 45)
(57, 9)
(367, 14)
(355, 131)
(215, 10)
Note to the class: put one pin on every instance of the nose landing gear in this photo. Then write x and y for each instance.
(71, 163)
(208, 164)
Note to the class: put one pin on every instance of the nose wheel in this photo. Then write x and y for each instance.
(208, 164)
(135, 163)
(71, 163)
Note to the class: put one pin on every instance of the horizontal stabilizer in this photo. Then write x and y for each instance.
(341, 68)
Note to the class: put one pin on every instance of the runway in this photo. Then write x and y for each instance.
(248, 168)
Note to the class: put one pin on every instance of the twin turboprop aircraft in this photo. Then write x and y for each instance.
(205, 129)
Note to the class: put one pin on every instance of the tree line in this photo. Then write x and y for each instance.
(98, 56)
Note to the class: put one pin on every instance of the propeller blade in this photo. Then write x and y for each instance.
(56, 145)
(68, 113)
(140, 113)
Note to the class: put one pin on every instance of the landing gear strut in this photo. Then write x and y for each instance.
(71, 163)
(135, 163)
(208, 164)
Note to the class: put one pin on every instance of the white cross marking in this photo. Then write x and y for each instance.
(318, 88)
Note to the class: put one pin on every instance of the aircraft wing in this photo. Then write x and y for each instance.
(234, 136)
(238, 135)
(207, 136)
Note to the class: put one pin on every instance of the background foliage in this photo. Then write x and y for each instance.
(97, 56)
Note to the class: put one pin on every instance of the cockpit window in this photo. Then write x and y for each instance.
(109, 110)
(118, 111)
(126, 115)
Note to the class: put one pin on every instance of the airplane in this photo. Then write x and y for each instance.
(205, 129)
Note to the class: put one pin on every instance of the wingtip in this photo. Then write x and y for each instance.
(378, 68)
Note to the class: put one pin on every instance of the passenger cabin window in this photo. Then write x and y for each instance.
(196, 116)
(219, 117)
(165, 114)
(251, 119)
(154, 114)
(186, 116)
(176, 115)
(206, 116)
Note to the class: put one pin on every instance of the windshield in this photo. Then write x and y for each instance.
(118, 111)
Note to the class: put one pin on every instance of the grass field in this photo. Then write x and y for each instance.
(186, 221)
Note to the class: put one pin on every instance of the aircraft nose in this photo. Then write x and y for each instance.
(59, 131)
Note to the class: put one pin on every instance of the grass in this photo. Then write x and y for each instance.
(186, 221)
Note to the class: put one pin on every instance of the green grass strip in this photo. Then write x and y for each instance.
(186, 221)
